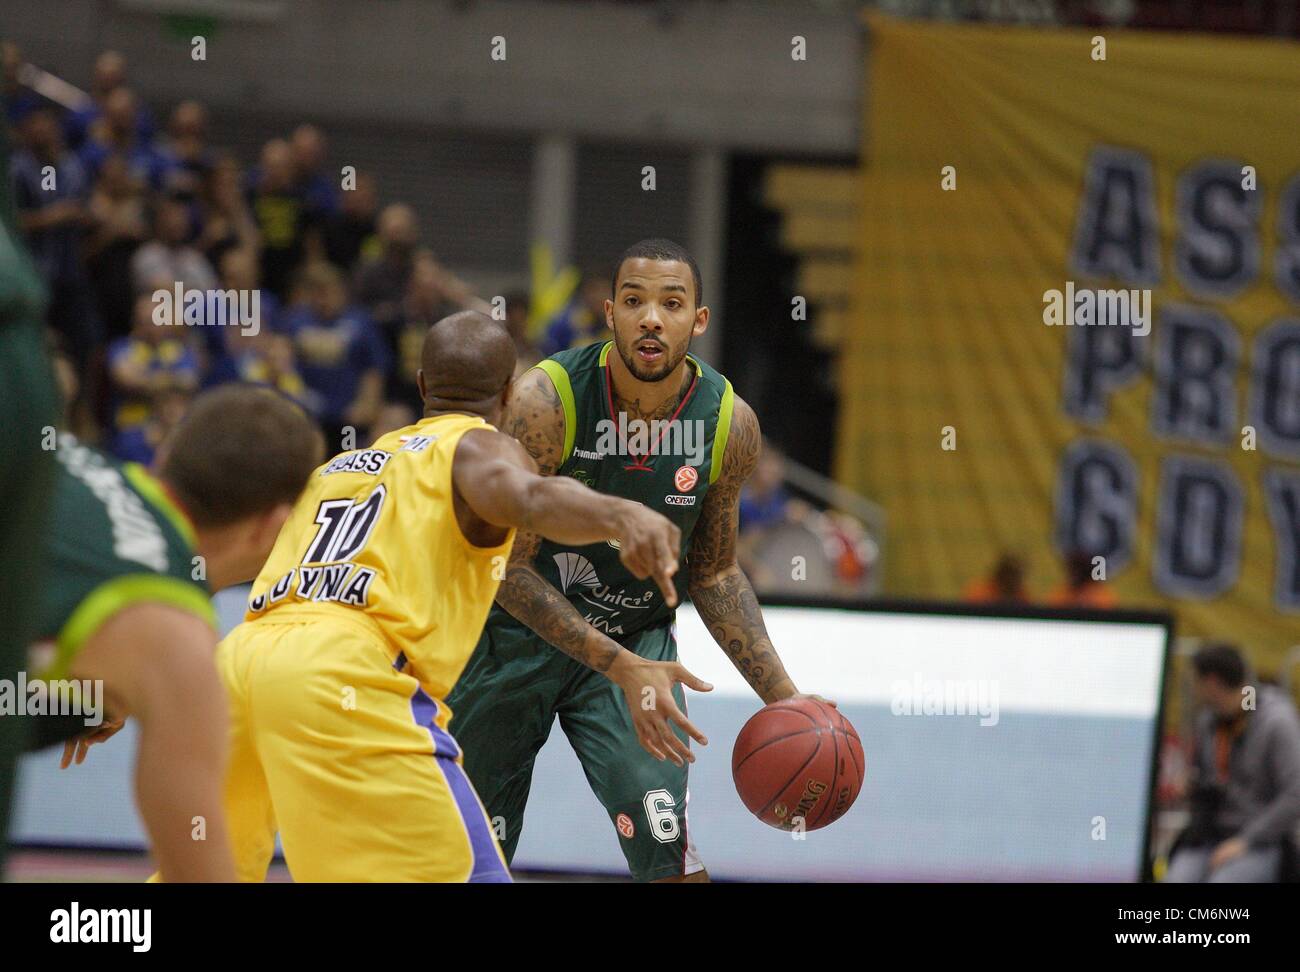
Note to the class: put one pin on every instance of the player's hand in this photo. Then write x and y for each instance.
(648, 688)
(649, 546)
(78, 746)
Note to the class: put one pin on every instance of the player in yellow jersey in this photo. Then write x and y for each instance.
(367, 610)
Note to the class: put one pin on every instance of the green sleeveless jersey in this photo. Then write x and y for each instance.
(667, 465)
(114, 539)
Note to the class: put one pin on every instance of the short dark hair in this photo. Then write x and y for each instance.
(658, 248)
(1222, 661)
(240, 451)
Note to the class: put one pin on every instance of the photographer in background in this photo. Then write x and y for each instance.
(1245, 800)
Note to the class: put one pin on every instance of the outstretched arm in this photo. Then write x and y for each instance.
(496, 478)
(718, 587)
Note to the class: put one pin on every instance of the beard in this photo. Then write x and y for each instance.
(643, 371)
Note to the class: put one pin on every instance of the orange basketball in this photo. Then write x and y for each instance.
(798, 760)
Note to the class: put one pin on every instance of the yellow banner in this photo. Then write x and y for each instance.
(1078, 316)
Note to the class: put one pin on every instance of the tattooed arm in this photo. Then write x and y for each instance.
(536, 418)
(718, 587)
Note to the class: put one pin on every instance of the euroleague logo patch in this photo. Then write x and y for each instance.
(685, 479)
(624, 824)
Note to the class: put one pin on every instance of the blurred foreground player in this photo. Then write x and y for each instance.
(613, 683)
(124, 599)
(29, 406)
(366, 612)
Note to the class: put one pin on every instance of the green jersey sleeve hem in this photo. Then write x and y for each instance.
(720, 434)
(560, 379)
(115, 595)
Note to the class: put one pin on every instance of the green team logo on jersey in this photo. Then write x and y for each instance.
(582, 585)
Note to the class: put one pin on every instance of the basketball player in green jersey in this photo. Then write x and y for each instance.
(121, 602)
(29, 406)
(636, 417)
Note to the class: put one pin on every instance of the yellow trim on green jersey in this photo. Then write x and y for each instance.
(121, 592)
(720, 433)
(152, 490)
(604, 352)
(560, 379)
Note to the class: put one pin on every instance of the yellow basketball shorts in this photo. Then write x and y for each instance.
(348, 758)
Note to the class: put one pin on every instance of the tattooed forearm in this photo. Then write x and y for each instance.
(536, 418)
(531, 599)
(730, 611)
(718, 587)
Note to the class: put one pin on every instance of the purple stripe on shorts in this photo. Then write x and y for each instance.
(488, 867)
(425, 709)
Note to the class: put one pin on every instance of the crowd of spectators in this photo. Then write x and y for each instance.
(115, 208)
